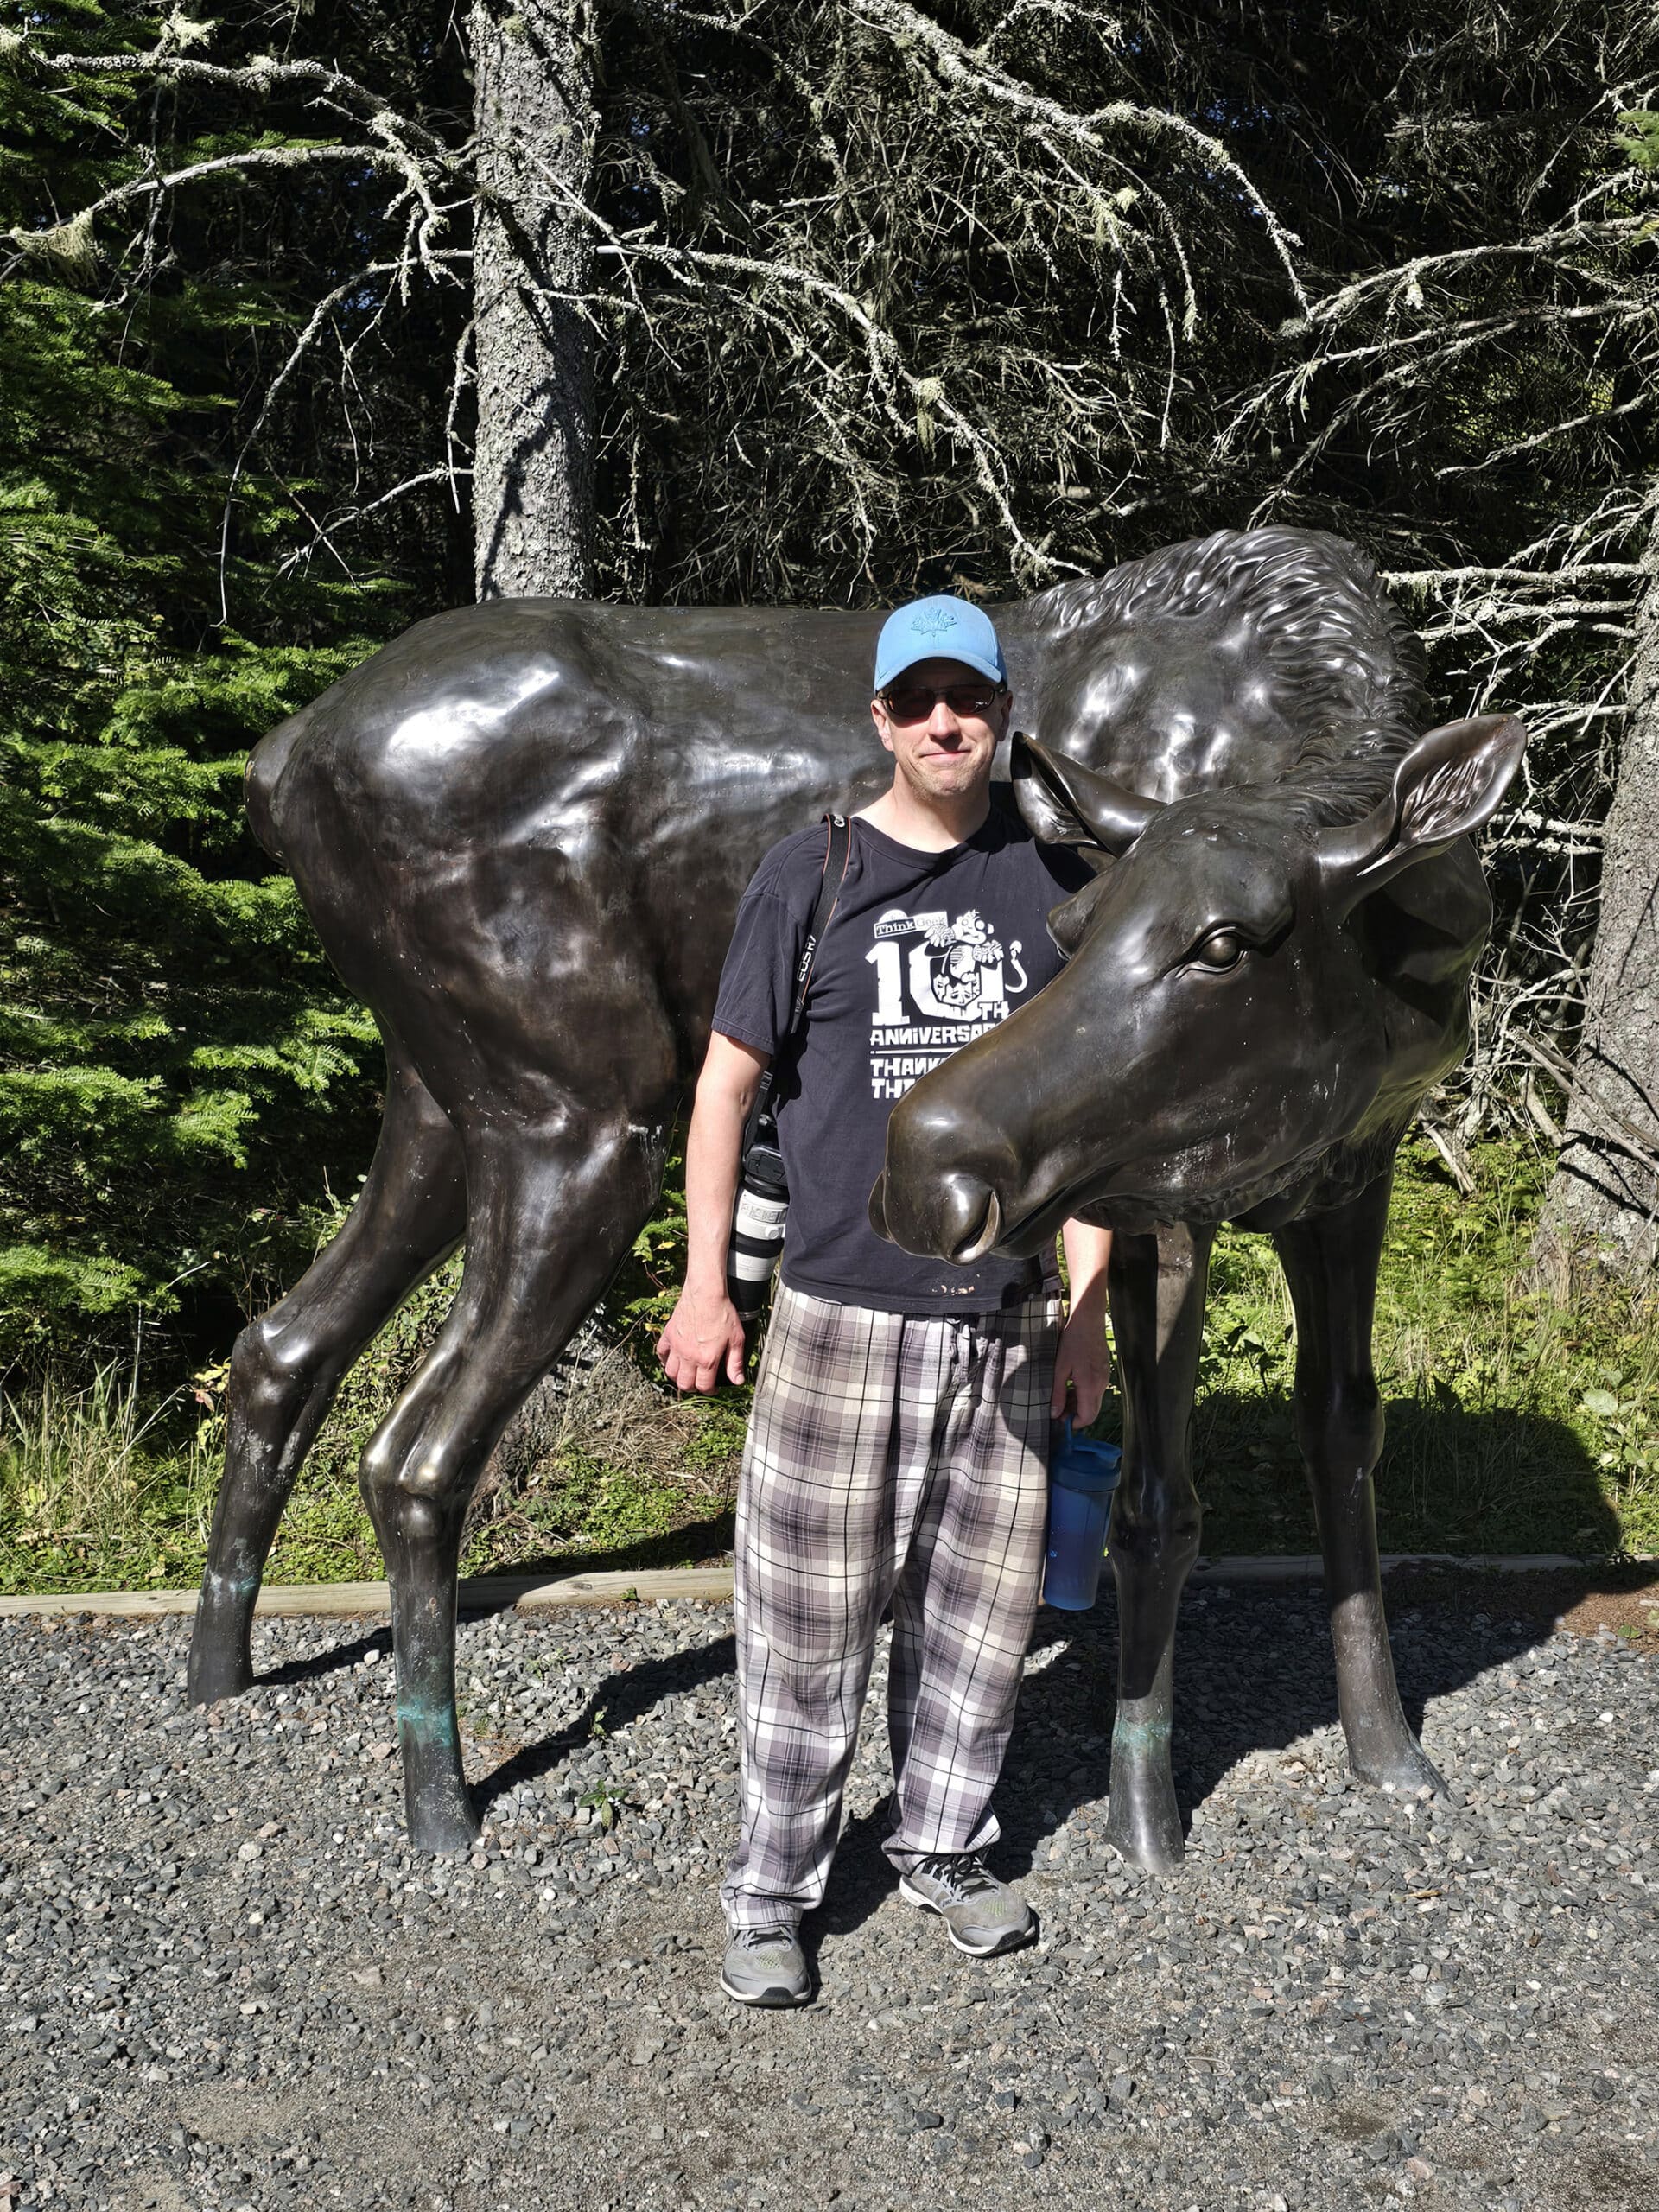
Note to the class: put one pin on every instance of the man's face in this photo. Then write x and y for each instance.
(944, 752)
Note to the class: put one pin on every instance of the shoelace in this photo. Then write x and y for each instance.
(756, 1939)
(965, 1878)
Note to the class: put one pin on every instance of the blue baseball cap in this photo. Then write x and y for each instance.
(941, 628)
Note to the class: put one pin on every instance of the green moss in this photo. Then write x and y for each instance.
(722, 1423)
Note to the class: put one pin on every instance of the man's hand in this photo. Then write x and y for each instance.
(703, 1339)
(1083, 1364)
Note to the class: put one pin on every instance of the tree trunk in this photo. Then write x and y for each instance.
(1604, 1200)
(533, 465)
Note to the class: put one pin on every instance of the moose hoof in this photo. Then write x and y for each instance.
(220, 1666)
(440, 1822)
(1143, 1823)
(221, 1653)
(1408, 1770)
(1147, 1836)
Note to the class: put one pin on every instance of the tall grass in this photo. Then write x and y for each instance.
(98, 1488)
(1516, 1423)
(103, 1487)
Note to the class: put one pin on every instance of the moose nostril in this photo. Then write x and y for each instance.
(940, 1197)
(969, 1218)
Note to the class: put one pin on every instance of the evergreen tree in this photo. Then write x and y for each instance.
(875, 296)
(181, 1071)
(256, 303)
(1474, 395)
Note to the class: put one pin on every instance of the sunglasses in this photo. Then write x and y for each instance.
(916, 704)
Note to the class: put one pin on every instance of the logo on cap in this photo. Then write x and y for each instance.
(933, 621)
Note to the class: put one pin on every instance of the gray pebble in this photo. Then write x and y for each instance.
(226, 1978)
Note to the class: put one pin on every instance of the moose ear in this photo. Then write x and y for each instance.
(1449, 783)
(1066, 804)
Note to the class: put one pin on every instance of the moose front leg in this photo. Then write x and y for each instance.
(1331, 1262)
(1157, 1284)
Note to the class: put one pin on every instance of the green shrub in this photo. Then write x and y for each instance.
(1499, 1435)
(1514, 1424)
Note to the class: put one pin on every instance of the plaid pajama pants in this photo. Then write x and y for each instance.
(892, 1460)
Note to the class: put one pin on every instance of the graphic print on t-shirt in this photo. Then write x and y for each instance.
(939, 984)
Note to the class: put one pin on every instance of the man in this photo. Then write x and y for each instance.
(897, 1454)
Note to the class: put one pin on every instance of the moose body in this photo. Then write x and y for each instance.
(522, 831)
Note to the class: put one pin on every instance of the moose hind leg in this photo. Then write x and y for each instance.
(549, 1217)
(1330, 1262)
(1158, 1284)
(287, 1365)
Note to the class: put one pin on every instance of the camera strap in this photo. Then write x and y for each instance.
(837, 854)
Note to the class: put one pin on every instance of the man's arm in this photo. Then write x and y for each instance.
(704, 1337)
(1084, 1361)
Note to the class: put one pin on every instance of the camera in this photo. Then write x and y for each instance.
(758, 1222)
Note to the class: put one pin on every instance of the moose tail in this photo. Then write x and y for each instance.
(262, 777)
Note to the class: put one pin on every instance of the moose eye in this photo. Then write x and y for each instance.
(1221, 950)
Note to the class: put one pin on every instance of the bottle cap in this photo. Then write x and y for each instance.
(1083, 1462)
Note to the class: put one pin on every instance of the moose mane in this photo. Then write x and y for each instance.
(1346, 668)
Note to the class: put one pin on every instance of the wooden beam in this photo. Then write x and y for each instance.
(491, 1593)
(530, 1593)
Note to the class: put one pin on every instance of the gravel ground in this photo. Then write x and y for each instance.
(226, 1984)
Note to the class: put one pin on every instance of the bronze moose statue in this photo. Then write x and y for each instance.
(522, 830)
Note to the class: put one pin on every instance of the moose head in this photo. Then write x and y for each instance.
(1253, 983)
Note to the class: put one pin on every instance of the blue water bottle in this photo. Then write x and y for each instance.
(1081, 1476)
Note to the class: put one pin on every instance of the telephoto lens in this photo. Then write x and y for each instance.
(757, 1228)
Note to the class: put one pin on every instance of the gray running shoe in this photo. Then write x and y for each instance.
(984, 1915)
(766, 1965)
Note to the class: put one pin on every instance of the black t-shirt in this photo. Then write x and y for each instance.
(925, 952)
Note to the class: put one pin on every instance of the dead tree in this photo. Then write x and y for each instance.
(1483, 415)
(853, 296)
(1604, 1194)
(533, 456)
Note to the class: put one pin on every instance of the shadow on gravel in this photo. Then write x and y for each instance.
(336, 1659)
(859, 1881)
(1253, 1673)
(624, 1697)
